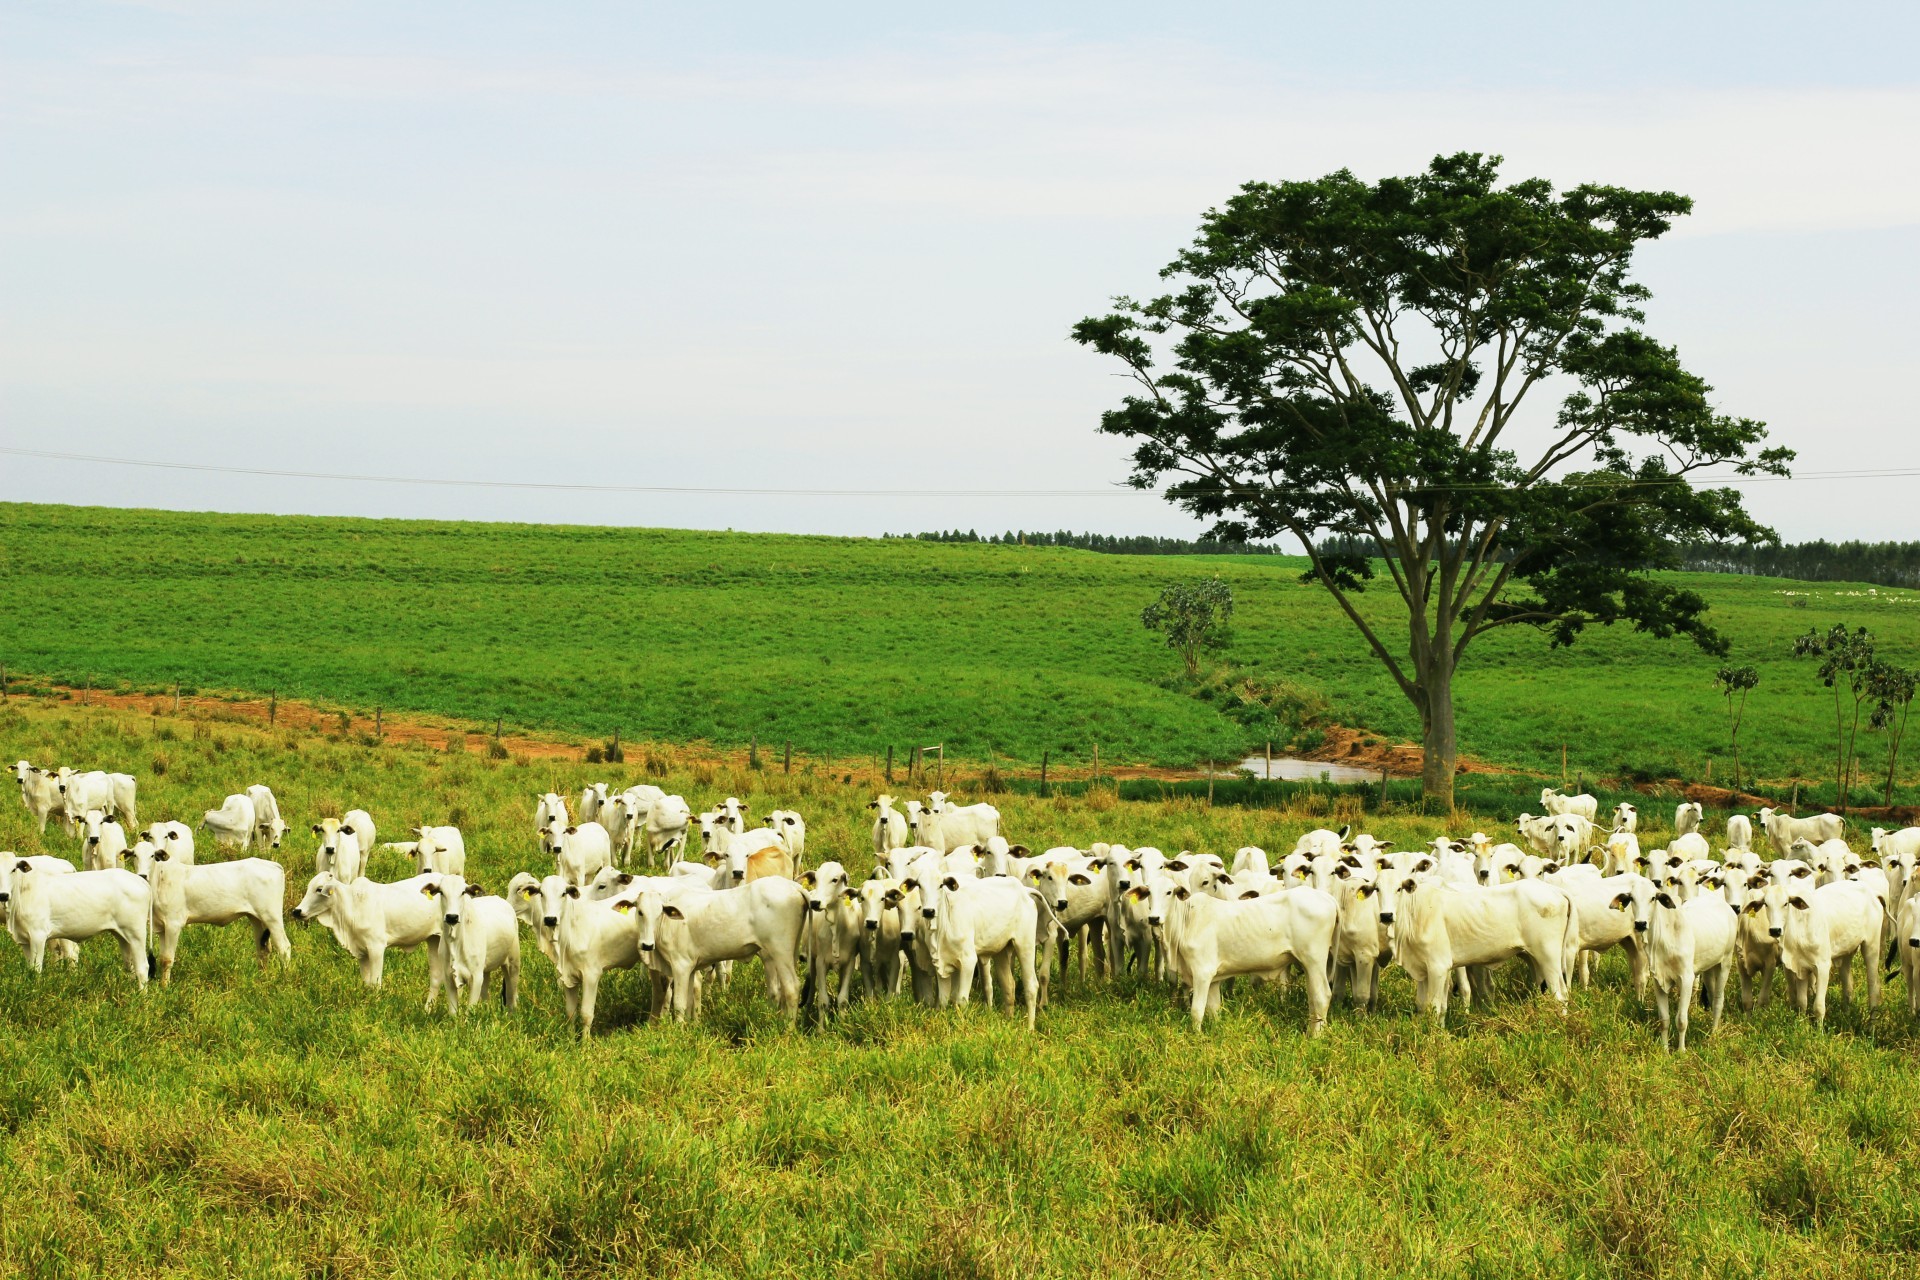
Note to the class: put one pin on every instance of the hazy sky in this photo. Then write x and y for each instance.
(840, 245)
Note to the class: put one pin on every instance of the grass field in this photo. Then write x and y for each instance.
(292, 1124)
(845, 646)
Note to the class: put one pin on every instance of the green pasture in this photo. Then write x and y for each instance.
(847, 646)
(290, 1123)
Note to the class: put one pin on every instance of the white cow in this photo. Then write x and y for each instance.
(39, 792)
(879, 939)
(105, 841)
(948, 826)
(995, 920)
(590, 937)
(269, 826)
(1625, 817)
(175, 837)
(481, 937)
(1600, 926)
(591, 801)
(1739, 832)
(1077, 891)
(1832, 924)
(62, 948)
(792, 830)
(1209, 939)
(835, 920)
(1320, 840)
(80, 792)
(1440, 927)
(1688, 817)
(701, 927)
(529, 896)
(889, 826)
(440, 850)
(250, 889)
(1536, 832)
(370, 919)
(1908, 940)
(549, 815)
(580, 851)
(44, 906)
(1687, 943)
(1555, 802)
(232, 824)
(341, 853)
(1783, 828)
(1362, 946)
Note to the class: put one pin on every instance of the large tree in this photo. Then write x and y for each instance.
(1358, 359)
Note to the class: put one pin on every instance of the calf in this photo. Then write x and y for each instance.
(1687, 942)
(1831, 924)
(370, 919)
(580, 851)
(879, 939)
(39, 792)
(889, 826)
(835, 921)
(232, 824)
(1209, 939)
(549, 816)
(1362, 946)
(948, 826)
(995, 920)
(440, 850)
(480, 937)
(1687, 818)
(268, 826)
(1600, 925)
(1626, 818)
(44, 906)
(250, 889)
(701, 927)
(592, 799)
(62, 948)
(1068, 883)
(666, 826)
(175, 837)
(1580, 806)
(537, 905)
(106, 841)
(1442, 927)
(1783, 828)
(590, 937)
(792, 830)
(80, 792)
(1739, 832)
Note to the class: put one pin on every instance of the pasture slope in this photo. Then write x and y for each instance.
(847, 645)
(292, 1124)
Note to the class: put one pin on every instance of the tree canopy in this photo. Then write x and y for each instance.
(1345, 358)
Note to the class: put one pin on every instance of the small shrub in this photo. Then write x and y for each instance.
(612, 753)
(593, 755)
(991, 782)
(496, 750)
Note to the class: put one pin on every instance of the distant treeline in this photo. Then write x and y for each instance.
(1891, 564)
(1106, 542)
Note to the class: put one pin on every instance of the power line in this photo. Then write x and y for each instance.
(1113, 491)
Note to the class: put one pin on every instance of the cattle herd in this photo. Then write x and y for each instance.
(949, 896)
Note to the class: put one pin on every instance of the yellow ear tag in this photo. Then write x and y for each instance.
(624, 907)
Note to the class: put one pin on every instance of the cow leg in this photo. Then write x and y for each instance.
(1717, 990)
(1202, 997)
(1666, 1014)
(1822, 975)
(589, 997)
(1319, 999)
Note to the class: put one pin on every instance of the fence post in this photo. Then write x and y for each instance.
(1383, 788)
(942, 749)
(1209, 784)
(496, 726)
(1043, 772)
(1795, 802)
(889, 764)
(176, 697)
(1563, 764)
(1269, 773)
(86, 693)
(273, 707)
(786, 758)
(1096, 765)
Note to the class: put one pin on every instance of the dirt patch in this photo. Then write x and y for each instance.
(1364, 750)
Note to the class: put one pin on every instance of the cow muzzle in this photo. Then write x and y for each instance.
(1386, 917)
(814, 906)
(298, 914)
(550, 921)
(452, 920)
(926, 913)
(1773, 933)
(1059, 904)
(1639, 926)
(873, 926)
(646, 946)
(739, 875)
(1154, 921)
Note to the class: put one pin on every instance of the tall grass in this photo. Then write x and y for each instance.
(292, 1124)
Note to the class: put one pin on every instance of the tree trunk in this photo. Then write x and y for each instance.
(1437, 748)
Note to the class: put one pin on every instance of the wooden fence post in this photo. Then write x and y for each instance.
(87, 692)
(1563, 764)
(942, 749)
(889, 764)
(1269, 773)
(496, 726)
(273, 707)
(1795, 802)
(1383, 788)
(1043, 772)
(1096, 764)
(1209, 784)
(786, 758)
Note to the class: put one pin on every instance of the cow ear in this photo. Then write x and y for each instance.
(1138, 895)
(1079, 878)
(1425, 864)
(428, 890)
(1019, 851)
(1800, 871)
(316, 829)
(1176, 865)
(1753, 908)
(1181, 893)
(1249, 893)
(1664, 900)
(672, 912)
(1797, 902)
(573, 891)
(1343, 871)
(807, 878)
(950, 883)
(159, 855)
(1383, 844)
(873, 804)
(909, 883)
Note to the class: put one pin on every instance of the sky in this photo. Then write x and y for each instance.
(795, 248)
